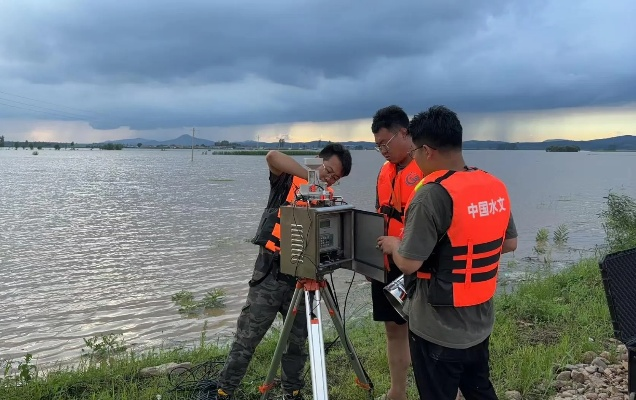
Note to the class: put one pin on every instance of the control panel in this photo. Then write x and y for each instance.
(329, 232)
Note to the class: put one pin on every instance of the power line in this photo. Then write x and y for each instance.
(40, 111)
(67, 114)
(47, 102)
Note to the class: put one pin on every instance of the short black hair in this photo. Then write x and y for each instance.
(338, 150)
(390, 117)
(437, 127)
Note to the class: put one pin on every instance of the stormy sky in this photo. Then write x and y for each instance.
(90, 70)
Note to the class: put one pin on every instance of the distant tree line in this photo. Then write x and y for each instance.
(31, 145)
(563, 149)
(507, 146)
(112, 146)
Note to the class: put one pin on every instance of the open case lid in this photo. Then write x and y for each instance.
(367, 259)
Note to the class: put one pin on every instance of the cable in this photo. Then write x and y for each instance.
(64, 113)
(46, 102)
(40, 111)
(202, 378)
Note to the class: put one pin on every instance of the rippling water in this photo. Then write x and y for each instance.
(97, 242)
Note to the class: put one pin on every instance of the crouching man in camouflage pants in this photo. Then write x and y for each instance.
(270, 290)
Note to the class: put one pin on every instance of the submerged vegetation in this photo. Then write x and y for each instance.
(213, 299)
(544, 324)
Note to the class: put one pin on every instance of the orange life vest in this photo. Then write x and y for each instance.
(268, 234)
(393, 189)
(464, 264)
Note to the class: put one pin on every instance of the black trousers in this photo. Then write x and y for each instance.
(440, 371)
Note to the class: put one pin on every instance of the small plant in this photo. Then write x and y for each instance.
(543, 248)
(183, 296)
(560, 235)
(541, 241)
(619, 222)
(213, 299)
(543, 235)
(26, 369)
(104, 346)
(203, 334)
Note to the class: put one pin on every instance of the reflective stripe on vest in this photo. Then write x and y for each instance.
(464, 264)
(273, 244)
(393, 189)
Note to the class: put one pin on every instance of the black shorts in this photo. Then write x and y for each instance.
(382, 309)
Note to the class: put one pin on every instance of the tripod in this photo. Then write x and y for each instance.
(315, 291)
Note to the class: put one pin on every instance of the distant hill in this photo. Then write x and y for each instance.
(183, 140)
(626, 142)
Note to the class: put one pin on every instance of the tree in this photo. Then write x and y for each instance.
(112, 146)
(72, 144)
(139, 145)
(281, 143)
(31, 145)
(2, 141)
(57, 146)
(16, 145)
(561, 149)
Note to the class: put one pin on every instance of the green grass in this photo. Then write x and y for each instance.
(543, 323)
(546, 323)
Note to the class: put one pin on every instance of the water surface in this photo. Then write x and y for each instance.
(97, 242)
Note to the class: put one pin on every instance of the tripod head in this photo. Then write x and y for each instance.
(313, 193)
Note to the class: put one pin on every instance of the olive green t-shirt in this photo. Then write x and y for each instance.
(428, 217)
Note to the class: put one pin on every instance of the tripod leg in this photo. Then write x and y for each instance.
(362, 379)
(316, 344)
(282, 342)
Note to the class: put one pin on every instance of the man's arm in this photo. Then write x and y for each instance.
(428, 215)
(510, 241)
(279, 163)
(406, 265)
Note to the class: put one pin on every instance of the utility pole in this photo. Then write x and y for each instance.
(192, 144)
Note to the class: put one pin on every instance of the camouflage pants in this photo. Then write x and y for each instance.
(264, 302)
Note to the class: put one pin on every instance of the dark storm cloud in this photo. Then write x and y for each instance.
(157, 64)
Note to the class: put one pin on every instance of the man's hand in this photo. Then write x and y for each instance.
(391, 245)
(388, 244)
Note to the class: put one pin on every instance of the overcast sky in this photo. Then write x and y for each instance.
(520, 70)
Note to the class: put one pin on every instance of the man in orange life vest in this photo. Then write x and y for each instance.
(457, 224)
(396, 180)
(270, 290)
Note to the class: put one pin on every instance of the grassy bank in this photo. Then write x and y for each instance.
(264, 152)
(546, 322)
(543, 323)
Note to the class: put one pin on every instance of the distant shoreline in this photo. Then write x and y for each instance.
(616, 143)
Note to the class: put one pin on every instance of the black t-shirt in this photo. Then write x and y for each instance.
(279, 186)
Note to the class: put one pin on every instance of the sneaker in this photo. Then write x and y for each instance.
(295, 395)
(210, 393)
